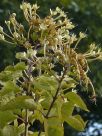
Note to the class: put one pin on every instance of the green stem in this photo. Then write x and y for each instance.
(55, 97)
(26, 123)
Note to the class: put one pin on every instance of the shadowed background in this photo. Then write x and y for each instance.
(87, 17)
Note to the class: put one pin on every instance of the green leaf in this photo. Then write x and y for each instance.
(59, 103)
(12, 72)
(53, 127)
(20, 102)
(6, 117)
(46, 83)
(9, 87)
(67, 110)
(68, 83)
(76, 99)
(20, 66)
(76, 122)
(5, 76)
(46, 103)
(46, 100)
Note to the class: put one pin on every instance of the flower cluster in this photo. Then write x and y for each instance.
(52, 33)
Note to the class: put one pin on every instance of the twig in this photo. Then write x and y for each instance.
(55, 97)
(26, 123)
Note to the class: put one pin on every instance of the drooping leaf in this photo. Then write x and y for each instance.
(76, 99)
(76, 122)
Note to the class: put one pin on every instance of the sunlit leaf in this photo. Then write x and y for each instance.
(46, 83)
(67, 110)
(76, 122)
(76, 99)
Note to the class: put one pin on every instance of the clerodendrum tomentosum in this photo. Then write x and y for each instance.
(42, 86)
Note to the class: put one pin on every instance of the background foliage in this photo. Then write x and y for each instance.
(87, 15)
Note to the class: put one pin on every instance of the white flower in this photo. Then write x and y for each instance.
(25, 6)
(16, 35)
(82, 35)
(1, 29)
(14, 15)
(69, 25)
(62, 14)
(31, 53)
(58, 9)
(2, 37)
(43, 26)
(53, 13)
(7, 23)
(35, 6)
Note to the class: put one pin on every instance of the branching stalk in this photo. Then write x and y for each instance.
(26, 123)
(55, 97)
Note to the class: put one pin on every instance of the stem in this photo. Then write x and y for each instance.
(27, 93)
(77, 43)
(40, 129)
(55, 97)
(29, 31)
(9, 42)
(26, 123)
(8, 36)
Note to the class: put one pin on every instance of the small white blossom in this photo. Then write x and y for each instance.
(25, 6)
(43, 26)
(58, 9)
(14, 15)
(1, 29)
(82, 35)
(35, 6)
(16, 35)
(2, 37)
(7, 23)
